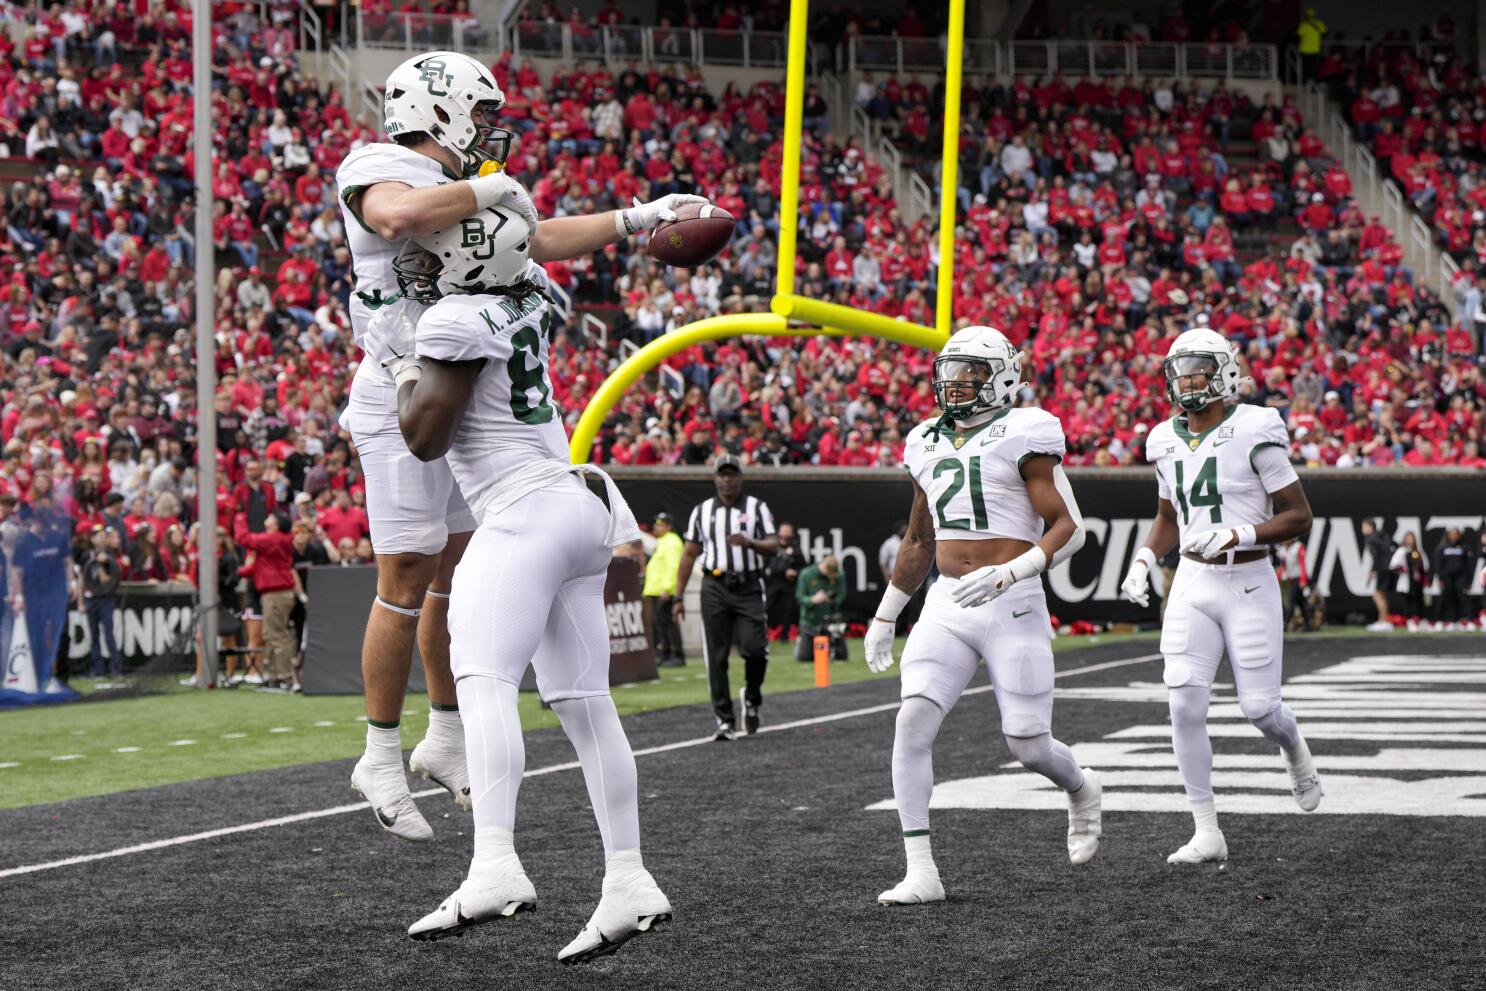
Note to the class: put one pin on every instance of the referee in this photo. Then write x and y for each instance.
(734, 536)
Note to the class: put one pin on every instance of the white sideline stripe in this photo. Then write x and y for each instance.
(248, 827)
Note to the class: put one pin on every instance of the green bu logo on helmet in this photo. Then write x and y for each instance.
(436, 74)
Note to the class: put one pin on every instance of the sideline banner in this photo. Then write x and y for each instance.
(850, 513)
(152, 621)
(341, 597)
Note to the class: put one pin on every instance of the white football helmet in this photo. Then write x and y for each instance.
(982, 356)
(480, 254)
(453, 99)
(1202, 351)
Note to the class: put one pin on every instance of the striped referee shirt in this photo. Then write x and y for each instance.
(712, 523)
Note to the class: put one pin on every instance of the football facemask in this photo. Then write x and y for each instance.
(1191, 366)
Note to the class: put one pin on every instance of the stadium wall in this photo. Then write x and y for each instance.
(850, 513)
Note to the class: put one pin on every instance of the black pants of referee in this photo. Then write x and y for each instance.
(733, 612)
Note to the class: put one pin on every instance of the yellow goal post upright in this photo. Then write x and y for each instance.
(792, 315)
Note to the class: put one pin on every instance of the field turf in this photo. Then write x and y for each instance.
(773, 856)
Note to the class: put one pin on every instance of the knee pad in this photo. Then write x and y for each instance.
(918, 723)
(1030, 751)
(1256, 705)
(1188, 704)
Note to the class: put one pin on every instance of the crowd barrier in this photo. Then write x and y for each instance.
(340, 598)
(850, 514)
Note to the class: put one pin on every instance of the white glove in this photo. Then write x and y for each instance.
(987, 584)
(391, 342)
(644, 216)
(878, 645)
(499, 189)
(1210, 544)
(1136, 587)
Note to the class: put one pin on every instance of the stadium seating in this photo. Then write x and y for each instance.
(1097, 219)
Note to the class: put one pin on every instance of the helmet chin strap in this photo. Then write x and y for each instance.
(977, 419)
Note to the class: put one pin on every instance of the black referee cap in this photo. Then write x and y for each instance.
(725, 461)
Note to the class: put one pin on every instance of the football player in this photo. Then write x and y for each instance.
(440, 113)
(1226, 491)
(993, 508)
(530, 586)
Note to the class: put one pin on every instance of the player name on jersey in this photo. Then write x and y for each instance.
(1394, 735)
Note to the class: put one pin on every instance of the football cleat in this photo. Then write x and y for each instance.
(919, 888)
(632, 904)
(1202, 847)
(750, 719)
(1305, 785)
(386, 788)
(444, 765)
(724, 732)
(476, 903)
(1085, 823)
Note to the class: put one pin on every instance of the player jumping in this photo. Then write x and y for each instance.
(530, 587)
(992, 506)
(1227, 491)
(440, 111)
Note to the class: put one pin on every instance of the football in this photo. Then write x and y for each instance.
(698, 234)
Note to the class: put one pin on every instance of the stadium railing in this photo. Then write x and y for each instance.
(1380, 195)
(615, 45)
(1070, 58)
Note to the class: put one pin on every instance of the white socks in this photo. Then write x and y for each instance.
(920, 854)
(492, 843)
(622, 862)
(1205, 816)
(384, 744)
(445, 726)
(592, 725)
(494, 750)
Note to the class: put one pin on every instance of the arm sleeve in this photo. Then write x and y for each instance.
(1044, 436)
(1273, 467)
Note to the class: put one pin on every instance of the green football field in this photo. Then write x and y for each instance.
(103, 745)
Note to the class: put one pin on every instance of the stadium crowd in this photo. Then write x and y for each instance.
(1417, 107)
(1098, 219)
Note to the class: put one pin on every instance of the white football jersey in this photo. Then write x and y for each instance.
(511, 419)
(1210, 477)
(973, 477)
(371, 254)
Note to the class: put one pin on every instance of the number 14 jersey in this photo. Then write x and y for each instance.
(512, 418)
(1211, 477)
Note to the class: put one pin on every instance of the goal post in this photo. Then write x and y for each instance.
(792, 315)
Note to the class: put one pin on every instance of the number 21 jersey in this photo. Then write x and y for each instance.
(1210, 477)
(973, 478)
